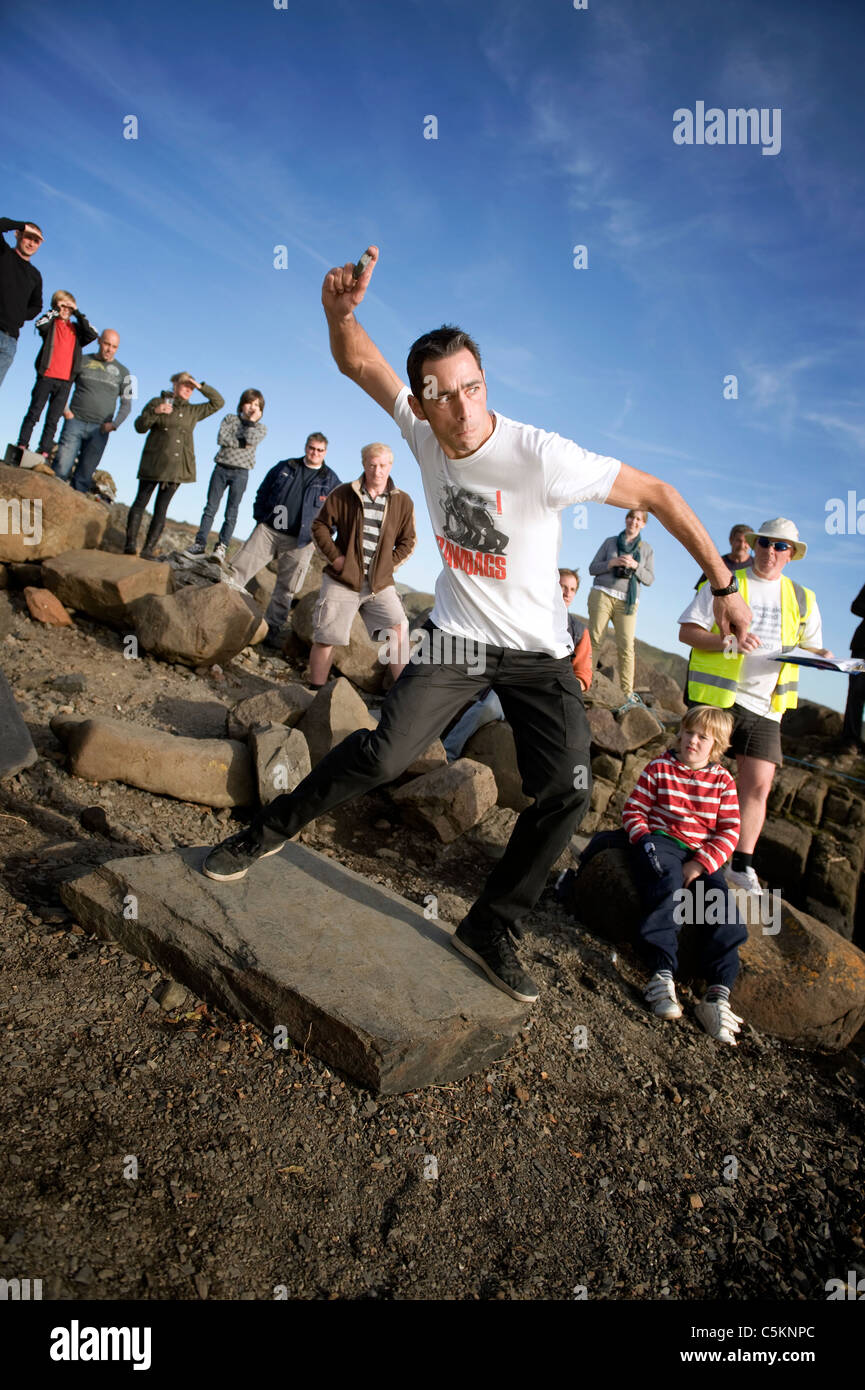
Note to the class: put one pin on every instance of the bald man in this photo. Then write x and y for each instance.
(99, 383)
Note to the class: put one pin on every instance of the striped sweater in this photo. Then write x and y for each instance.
(698, 806)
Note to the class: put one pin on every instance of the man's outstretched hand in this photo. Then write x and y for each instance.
(341, 293)
(732, 614)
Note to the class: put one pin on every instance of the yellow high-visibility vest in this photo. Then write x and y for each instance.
(713, 677)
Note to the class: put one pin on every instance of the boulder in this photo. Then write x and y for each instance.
(16, 745)
(832, 884)
(335, 712)
(46, 608)
(103, 585)
(494, 746)
(450, 800)
(285, 704)
(196, 626)
(427, 761)
(417, 605)
(803, 983)
(808, 802)
(315, 955)
(281, 758)
(492, 832)
(781, 855)
(606, 766)
(784, 790)
(210, 771)
(811, 719)
(41, 517)
(359, 661)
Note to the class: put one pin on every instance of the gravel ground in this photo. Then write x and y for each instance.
(174, 1153)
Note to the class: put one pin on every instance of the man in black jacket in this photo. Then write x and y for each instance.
(20, 285)
(852, 733)
(285, 507)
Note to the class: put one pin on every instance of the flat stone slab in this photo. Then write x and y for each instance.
(355, 973)
(16, 745)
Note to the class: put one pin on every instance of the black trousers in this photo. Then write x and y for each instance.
(138, 508)
(56, 392)
(543, 704)
(855, 706)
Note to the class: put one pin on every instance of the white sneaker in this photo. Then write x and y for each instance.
(219, 551)
(660, 995)
(718, 1019)
(744, 878)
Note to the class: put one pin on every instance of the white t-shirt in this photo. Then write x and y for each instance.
(496, 519)
(759, 674)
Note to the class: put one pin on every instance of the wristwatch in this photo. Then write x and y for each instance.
(730, 589)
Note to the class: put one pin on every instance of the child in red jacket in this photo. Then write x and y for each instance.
(682, 820)
(56, 364)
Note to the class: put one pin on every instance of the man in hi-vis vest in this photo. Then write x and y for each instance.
(744, 679)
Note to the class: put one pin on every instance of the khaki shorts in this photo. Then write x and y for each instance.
(337, 605)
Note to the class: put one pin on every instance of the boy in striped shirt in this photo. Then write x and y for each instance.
(682, 820)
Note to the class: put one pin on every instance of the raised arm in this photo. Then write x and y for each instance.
(635, 489)
(353, 350)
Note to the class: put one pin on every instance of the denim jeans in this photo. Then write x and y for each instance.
(484, 711)
(8, 344)
(235, 479)
(657, 863)
(85, 440)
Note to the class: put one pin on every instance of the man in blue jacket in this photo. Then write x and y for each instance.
(285, 507)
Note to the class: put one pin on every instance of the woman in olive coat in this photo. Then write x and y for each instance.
(168, 458)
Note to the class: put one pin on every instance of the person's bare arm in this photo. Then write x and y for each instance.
(353, 350)
(635, 489)
(692, 635)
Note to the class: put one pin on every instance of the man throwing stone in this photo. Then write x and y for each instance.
(374, 525)
(488, 598)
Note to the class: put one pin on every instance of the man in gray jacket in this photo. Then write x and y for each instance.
(100, 383)
(622, 564)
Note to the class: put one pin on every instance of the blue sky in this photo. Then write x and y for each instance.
(304, 127)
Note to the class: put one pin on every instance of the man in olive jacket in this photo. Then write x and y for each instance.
(168, 457)
(375, 532)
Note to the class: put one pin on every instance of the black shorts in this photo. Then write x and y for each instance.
(754, 736)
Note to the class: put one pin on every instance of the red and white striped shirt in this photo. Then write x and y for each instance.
(696, 805)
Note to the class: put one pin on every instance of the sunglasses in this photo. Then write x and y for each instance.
(772, 545)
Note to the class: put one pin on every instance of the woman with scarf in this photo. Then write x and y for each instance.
(622, 564)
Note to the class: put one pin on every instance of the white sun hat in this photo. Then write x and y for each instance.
(779, 529)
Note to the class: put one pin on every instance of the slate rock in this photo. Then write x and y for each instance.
(16, 745)
(45, 608)
(197, 626)
(281, 758)
(210, 771)
(50, 516)
(336, 712)
(370, 986)
(450, 800)
(494, 746)
(285, 704)
(103, 585)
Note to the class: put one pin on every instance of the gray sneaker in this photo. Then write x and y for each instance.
(194, 550)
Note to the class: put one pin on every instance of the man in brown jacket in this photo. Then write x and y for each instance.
(374, 525)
